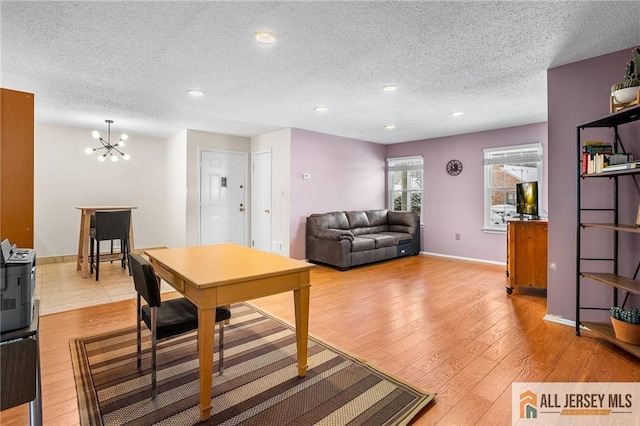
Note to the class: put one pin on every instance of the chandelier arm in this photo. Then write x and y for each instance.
(106, 143)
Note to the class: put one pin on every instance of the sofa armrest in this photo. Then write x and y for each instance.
(330, 252)
(335, 234)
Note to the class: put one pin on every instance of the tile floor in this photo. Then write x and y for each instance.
(61, 288)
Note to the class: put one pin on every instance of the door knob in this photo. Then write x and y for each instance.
(266, 210)
(241, 209)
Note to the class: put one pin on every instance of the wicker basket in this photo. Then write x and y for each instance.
(625, 332)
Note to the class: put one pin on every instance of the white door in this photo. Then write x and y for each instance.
(261, 201)
(223, 183)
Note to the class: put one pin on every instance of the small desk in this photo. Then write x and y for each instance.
(20, 359)
(218, 275)
(85, 226)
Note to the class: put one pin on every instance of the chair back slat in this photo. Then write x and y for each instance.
(145, 279)
(113, 225)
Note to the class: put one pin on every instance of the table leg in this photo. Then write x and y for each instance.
(132, 245)
(206, 340)
(86, 228)
(80, 241)
(301, 303)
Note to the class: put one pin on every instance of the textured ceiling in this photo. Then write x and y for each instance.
(133, 62)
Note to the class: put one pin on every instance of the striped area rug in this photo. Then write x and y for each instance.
(259, 385)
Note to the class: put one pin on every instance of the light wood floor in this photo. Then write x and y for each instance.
(61, 288)
(444, 325)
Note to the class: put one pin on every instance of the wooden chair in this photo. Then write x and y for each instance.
(165, 319)
(109, 226)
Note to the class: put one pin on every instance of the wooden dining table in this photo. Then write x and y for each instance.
(218, 275)
(85, 226)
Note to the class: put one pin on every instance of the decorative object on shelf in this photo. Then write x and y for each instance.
(454, 167)
(107, 146)
(626, 325)
(627, 93)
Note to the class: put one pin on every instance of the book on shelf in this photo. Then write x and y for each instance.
(622, 166)
(596, 156)
(598, 149)
(618, 158)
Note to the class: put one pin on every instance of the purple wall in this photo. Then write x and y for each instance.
(578, 93)
(346, 174)
(454, 204)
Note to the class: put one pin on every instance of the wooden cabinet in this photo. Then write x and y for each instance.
(16, 166)
(527, 253)
(20, 365)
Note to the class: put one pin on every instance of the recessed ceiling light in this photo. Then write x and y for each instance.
(457, 114)
(320, 108)
(390, 127)
(265, 37)
(389, 88)
(195, 93)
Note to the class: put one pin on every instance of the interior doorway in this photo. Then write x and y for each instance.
(261, 201)
(223, 204)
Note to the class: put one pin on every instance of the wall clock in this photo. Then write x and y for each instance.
(454, 167)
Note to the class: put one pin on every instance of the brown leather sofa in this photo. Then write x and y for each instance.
(349, 238)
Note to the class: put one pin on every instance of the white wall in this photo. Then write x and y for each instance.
(196, 141)
(176, 178)
(66, 177)
(279, 142)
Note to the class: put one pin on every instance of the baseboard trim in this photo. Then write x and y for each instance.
(470, 259)
(72, 258)
(563, 321)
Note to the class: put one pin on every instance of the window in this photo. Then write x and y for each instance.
(405, 184)
(503, 168)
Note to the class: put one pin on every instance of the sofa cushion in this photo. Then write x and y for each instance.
(400, 218)
(335, 234)
(399, 237)
(357, 219)
(401, 228)
(334, 220)
(378, 229)
(361, 244)
(381, 240)
(377, 217)
(403, 222)
(360, 231)
(337, 220)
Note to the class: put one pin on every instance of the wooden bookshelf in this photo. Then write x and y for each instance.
(613, 227)
(606, 331)
(613, 280)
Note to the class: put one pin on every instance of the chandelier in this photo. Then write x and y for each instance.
(107, 146)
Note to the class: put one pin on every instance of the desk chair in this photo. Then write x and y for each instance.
(165, 319)
(109, 226)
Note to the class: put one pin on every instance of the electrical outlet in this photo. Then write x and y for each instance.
(277, 247)
(457, 235)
